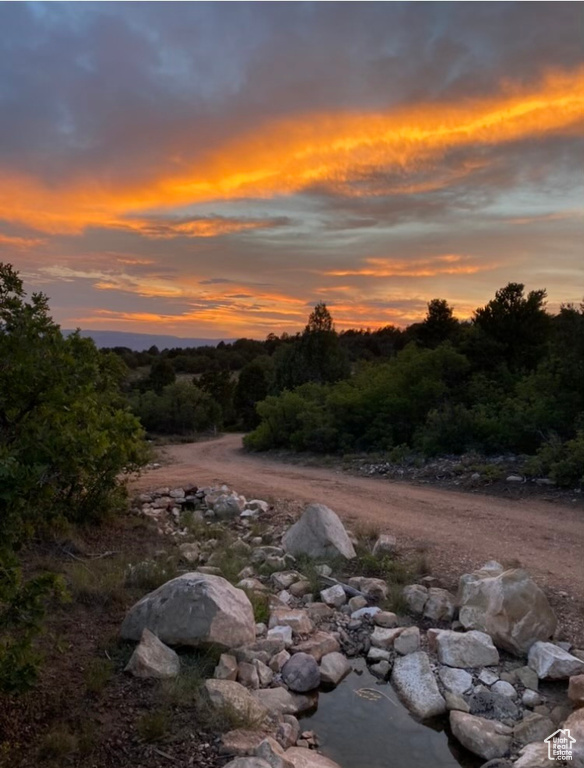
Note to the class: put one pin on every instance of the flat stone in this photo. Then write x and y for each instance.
(414, 680)
(553, 663)
(226, 669)
(370, 612)
(294, 618)
(384, 638)
(455, 680)
(385, 619)
(408, 641)
(527, 677)
(373, 589)
(466, 649)
(334, 667)
(334, 596)
(279, 701)
(229, 695)
(377, 654)
(505, 689)
(308, 758)
(153, 659)
(318, 645)
(415, 596)
(455, 701)
(440, 605)
(318, 611)
(486, 738)
(488, 677)
(381, 669)
(532, 728)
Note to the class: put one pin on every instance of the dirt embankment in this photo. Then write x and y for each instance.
(457, 531)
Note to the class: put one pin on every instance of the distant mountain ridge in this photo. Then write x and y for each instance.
(138, 342)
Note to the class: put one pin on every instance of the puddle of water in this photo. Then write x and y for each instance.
(362, 724)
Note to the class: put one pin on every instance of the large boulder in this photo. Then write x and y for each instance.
(195, 609)
(507, 605)
(279, 701)
(465, 649)
(151, 658)
(414, 680)
(318, 533)
(551, 662)
(486, 738)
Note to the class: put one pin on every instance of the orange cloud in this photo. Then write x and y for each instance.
(447, 264)
(343, 150)
(196, 227)
(21, 243)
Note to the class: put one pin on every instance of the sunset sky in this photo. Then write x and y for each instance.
(215, 169)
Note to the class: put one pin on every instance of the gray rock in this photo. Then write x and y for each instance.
(151, 658)
(381, 669)
(308, 758)
(270, 751)
(334, 596)
(196, 610)
(488, 677)
(226, 669)
(279, 701)
(492, 706)
(455, 680)
(553, 663)
(528, 677)
(247, 762)
(455, 701)
(288, 731)
(535, 756)
(440, 605)
(407, 641)
(385, 619)
(414, 680)
(284, 633)
(385, 545)
(508, 606)
(530, 698)
(465, 649)
(486, 738)
(333, 668)
(505, 689)
(384, 638)
(575, 724)
(231, 696)
(301, 673)
(247, 675)
(415, 596)
(318, 533)
(533, 728)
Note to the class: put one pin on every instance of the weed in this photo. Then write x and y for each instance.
(231, 563)
(98, 675)
(150, 574)
(395, 600)
(153, 726)
(97, 583)
(261, 607)
(59, 742)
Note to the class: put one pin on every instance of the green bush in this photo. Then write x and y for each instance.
(66, 436)
(180, 408)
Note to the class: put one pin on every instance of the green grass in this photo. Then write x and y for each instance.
(154, 726)
(98, 674)
(58, 743)
(97, 583)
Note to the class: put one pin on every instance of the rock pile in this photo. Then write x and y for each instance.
(482, 663)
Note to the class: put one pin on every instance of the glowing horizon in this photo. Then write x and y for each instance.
(230, 205)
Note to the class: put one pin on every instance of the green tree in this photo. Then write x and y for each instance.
(514, 328)
(254, 384)
(161, 375)
(66, 436)
(439, 325)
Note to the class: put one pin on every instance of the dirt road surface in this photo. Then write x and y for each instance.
(457, 531)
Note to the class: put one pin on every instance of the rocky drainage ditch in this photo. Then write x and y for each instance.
(362, 724)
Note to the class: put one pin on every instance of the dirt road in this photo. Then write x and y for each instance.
(457, 530)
